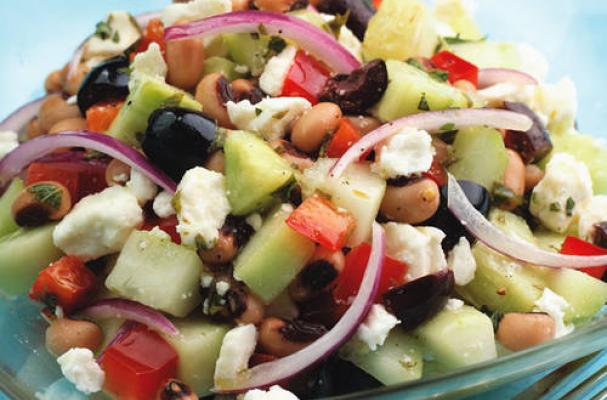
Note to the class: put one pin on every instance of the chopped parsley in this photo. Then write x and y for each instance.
(449, 126)
(457, 39)
(423, 103)
(262, 29)
(439, 75)
(569, 206)
(277, 44)
(47, 193)
(258, 111)
(103, 30)
(414, 62)
(555, 207)
(116, 37)
(336, 24)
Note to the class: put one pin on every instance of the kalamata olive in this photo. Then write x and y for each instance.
(532, 145)
(107, 81)
(302, 331)
(360, 13)
(178, 139)
(419, 300)
(599, 236)
(360, 90)
(446, 221)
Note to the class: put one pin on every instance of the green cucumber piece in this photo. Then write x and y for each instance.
(480, 156)
(254, 172)
(410, 90)
(223, 65)
(399, 360)
(248, 49)
(197, 346)
(151, 94)
(273, 257)
(7, 223)
(23, 254)
(158, 273)
(512, 224)
(458, 338)
(311, 17)
(216, 48)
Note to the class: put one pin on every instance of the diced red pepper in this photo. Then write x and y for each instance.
(80, 177)
(306, 78)
(457, 67)
(348, 281)
(578, 247)
(343, 138)
(100, 116)
(168, 225)
(67, 283)
(318, 220)
(376, 4)
(153, 33)
(137, 364)
(437, 172)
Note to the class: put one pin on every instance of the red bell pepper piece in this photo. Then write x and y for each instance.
(437, 172)
(168, 225)
(306, 78)
(153, 33)
(100, 116)
(348, 281)
(376, 4)
(458, 68)
(343, 138)
(318, 220)
(67, 283)
(578, 247)
(138, 363)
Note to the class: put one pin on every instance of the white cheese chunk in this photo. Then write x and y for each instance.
(163, 204)
(99, 224)
(555, 306)
(418, 247)
(148, 65)
(236, 349)
(591, 213)
(270, 117)
(255, 221)
(202, 207)
(462, 262)
(9, 141)
(454, 304)
(376, 327)
(193, 10)
(274, 393)
(275, 72)
(142, 187)
(566, 186)
(122, 33)
(408, 152)
(78, 365)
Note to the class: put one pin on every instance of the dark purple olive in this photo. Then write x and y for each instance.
(446, 221)
(532, 145)
(178, 139)
(107, 81)
(419, 300)
(599, 237)
(360, 13)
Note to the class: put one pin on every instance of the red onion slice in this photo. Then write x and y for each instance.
(14, 162)
(433, 121)
(314, 40)
(512, 247)
(17, 120)
(131, 310)
(492, 76)
(268, 374)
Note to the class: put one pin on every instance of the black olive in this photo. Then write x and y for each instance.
(360, 13)
(599, 236)
(446, 221)
(302, 331)
(107, 81)
(178, 139)
(533, 144)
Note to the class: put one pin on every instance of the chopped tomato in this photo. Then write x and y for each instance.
(348, 281)
(153, 33)
(318, 220)
(578, 247)
(67, 283)
(306, 78)
(100, 116)
(437, 173)
(458, 68)
(138, 363)
(376, 4)
(81, 177)
(343, 138)
(168, 225)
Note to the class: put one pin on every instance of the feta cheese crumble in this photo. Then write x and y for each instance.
(274, 393)
(122, 31)
(591, 213)
(275, 72)
(236, 349)
(141, 187)
(148, 64)
(99, 224)
(555, 306)
(408, 152)
(376, 327)
(9, 141)
(78, 365)
(222, 288)
(163, 204)
(566, 186)
(270, 117)
(462, 262)
(202, 207)
(418, 247)
(454, 304)
(255, 221)
(197, 9)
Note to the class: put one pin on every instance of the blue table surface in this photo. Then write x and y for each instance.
(38, 36)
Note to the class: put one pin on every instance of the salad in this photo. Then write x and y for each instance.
(282, 199)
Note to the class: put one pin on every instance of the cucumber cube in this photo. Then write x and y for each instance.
(7, 223)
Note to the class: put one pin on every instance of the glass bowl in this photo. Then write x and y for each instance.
(568, 32)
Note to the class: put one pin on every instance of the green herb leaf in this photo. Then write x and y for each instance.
(449, 126)
(423, 103)
(103, 30)
(258, 111)
(116, 37)
(414, 62)
(277, 44)
(439, 75)
(262, 29)
(47, 193)
(555, 207)
(457, 39)
(569, 206)
(339, 21)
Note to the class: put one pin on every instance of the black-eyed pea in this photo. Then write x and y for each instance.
(281, 338)
(240, 5)
(68, 124)
(32, 129)
(318, 275)
(518, 331)
(311, 129)
(54, 82)
(213, 92)
(279, 6)
(54, 109)
(244, 89)
(464, 85)
(441, 150)
(412, 203)
(291, 154)
(185, 61)
(216, 162)
(533, 176)
(514, 176)
(64, 334)
(117, 173)
(74, 80)
(176, 390)
(223, 252)
(254, 311)
(40, 203)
